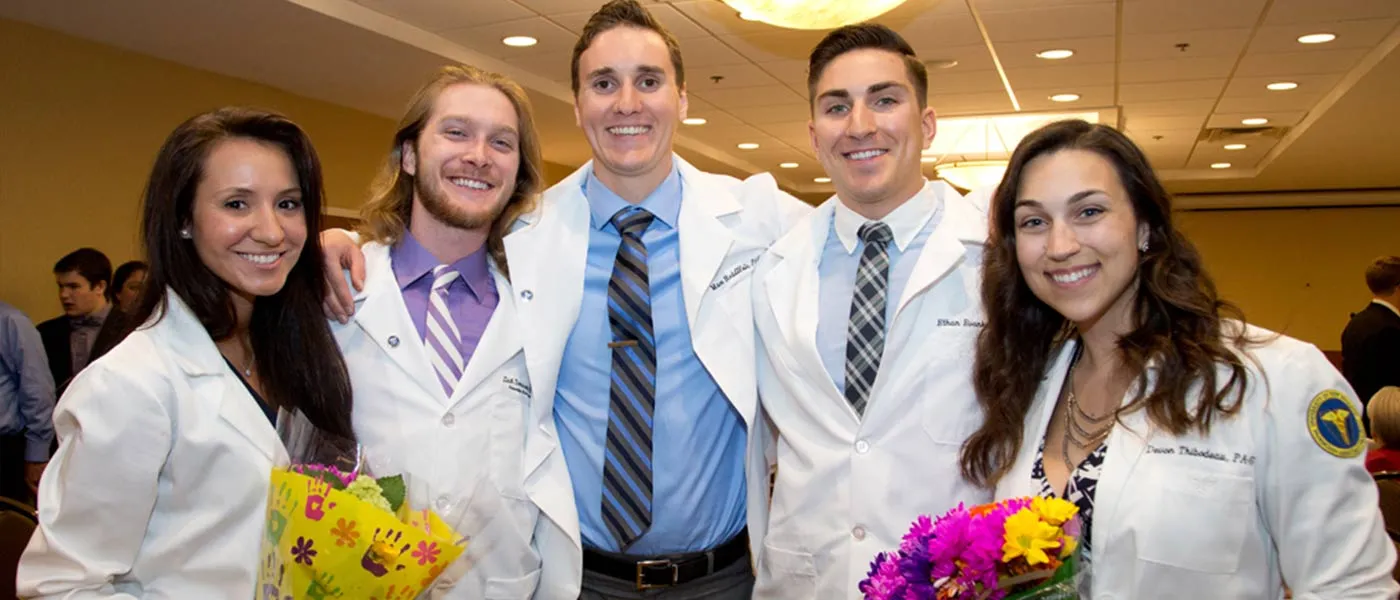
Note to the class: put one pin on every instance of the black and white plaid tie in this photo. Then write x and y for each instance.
(865, 339)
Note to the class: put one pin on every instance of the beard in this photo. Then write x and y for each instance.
(436, 202)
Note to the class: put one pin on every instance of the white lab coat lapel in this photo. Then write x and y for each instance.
(946, 244)
(792, 289)
(704, 240)
(499, 342)
(210, 377)
(381, 312)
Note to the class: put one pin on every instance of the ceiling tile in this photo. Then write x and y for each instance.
(766, 95)
(1266, 104)
(1212, 152)
(951, 82)
(708, 52)
(1089, 97)
(1061, 75)
(786, 130)
(1288, 12)
(974, 57)
(1276, 119)
(1225, 43)
(444, 15)
(787, 71)
(555, 66)
(714, 117)
(1184, 123)
(1350, 35)
(1178, 69)
(700, 79)
(678, 24)
(1298, 63)
(486, 39)
(1161, 16)
(1050, 22)
(1168, 108)
(554, 7)
(760, 115)
(775, 44)
(928, 33)
(1311, 86)
(1238, 161)
(970, 104)
(1101, 49)
(1175, 90)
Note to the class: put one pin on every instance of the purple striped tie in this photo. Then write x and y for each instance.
(443, 339)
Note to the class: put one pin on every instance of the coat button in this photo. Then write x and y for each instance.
(862, 447)
(448, 419)
(858, 532)
(526, 295)
(393, 341)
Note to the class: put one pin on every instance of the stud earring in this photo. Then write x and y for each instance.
(1143, 246)
(185, 233)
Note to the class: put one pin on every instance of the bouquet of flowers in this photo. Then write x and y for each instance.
(335, 531)
(1018, 549)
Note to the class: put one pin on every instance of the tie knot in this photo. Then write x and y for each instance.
(443, 276)
(632, 221)
(876, 232)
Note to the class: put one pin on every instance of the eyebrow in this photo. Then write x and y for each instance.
(1076, 198)
(247, 190)
(874, 88)
(470, 121)
(605, 71)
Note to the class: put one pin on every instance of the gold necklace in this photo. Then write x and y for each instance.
(1085, 435)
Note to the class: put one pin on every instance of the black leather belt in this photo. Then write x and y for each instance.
(660, 572)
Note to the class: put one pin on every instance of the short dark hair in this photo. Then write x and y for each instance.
(300, 362)
(91, 263)
(863, 36)
(625, 13)
(123, 273)
(1383, 276)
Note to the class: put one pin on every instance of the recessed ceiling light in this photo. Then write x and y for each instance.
(748, 146)
(1316, 38)
(694, 121)
(1235, 146)
(1064, 97)
(1055, 54)
(822, 180)
(1255, 121)
(1219, 165)
(520, 41)
(789, 165)
(1279, 86)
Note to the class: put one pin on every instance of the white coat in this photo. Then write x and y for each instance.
(725, 225)
(1238, 512)
(467, 447)
(159, 486)
(848, 487)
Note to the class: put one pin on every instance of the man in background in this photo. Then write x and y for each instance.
(90, 325)
(1371, 341)
(26, 406)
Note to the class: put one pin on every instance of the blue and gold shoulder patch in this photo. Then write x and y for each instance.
(1335, 425)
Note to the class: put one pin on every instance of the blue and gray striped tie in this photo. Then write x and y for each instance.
(627, 455)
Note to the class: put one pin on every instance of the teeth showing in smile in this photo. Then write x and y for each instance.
(259, 259)
(1074, 275)
(629, 130)
(475, 184)
(865, 154)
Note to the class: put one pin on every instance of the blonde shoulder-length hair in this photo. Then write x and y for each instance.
(385, 216)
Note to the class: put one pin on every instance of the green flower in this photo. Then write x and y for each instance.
(367, 489)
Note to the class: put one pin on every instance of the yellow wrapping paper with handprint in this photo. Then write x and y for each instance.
(322, 542)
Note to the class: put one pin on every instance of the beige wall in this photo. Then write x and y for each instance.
(1296, 271)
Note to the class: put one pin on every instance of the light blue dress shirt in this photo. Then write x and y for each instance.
(911, 225)
(26, 385)
(698, 439)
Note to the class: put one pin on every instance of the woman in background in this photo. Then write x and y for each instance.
(1384, 413)
(127, 282)
(160, 483)
(1208, 458)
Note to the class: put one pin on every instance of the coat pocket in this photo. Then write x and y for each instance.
(785, 574)
(517, 588)
(1196, 520)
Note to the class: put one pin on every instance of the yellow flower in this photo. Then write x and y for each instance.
(1028, 536)
(1054, 510)
(1069, 546)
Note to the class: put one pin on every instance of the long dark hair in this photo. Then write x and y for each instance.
(1179, 319)
(301, 365)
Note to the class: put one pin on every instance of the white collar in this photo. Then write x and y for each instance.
(1387, 305)
(905, 221)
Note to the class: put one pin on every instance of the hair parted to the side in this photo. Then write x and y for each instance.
(1383, 276)
(863, 36)
(298, 359)
(1180, 321)
(1383, 411)
(386, 215)
(90, 263)
(625, 13)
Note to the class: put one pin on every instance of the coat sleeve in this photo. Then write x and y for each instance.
(1319, 503)
(98, 493)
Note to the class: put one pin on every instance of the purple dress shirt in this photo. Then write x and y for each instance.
(471, 298)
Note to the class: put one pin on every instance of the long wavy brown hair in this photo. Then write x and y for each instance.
(385, 216)
(1180, 322)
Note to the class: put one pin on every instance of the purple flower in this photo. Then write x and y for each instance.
(884, 581)
(303, 552)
